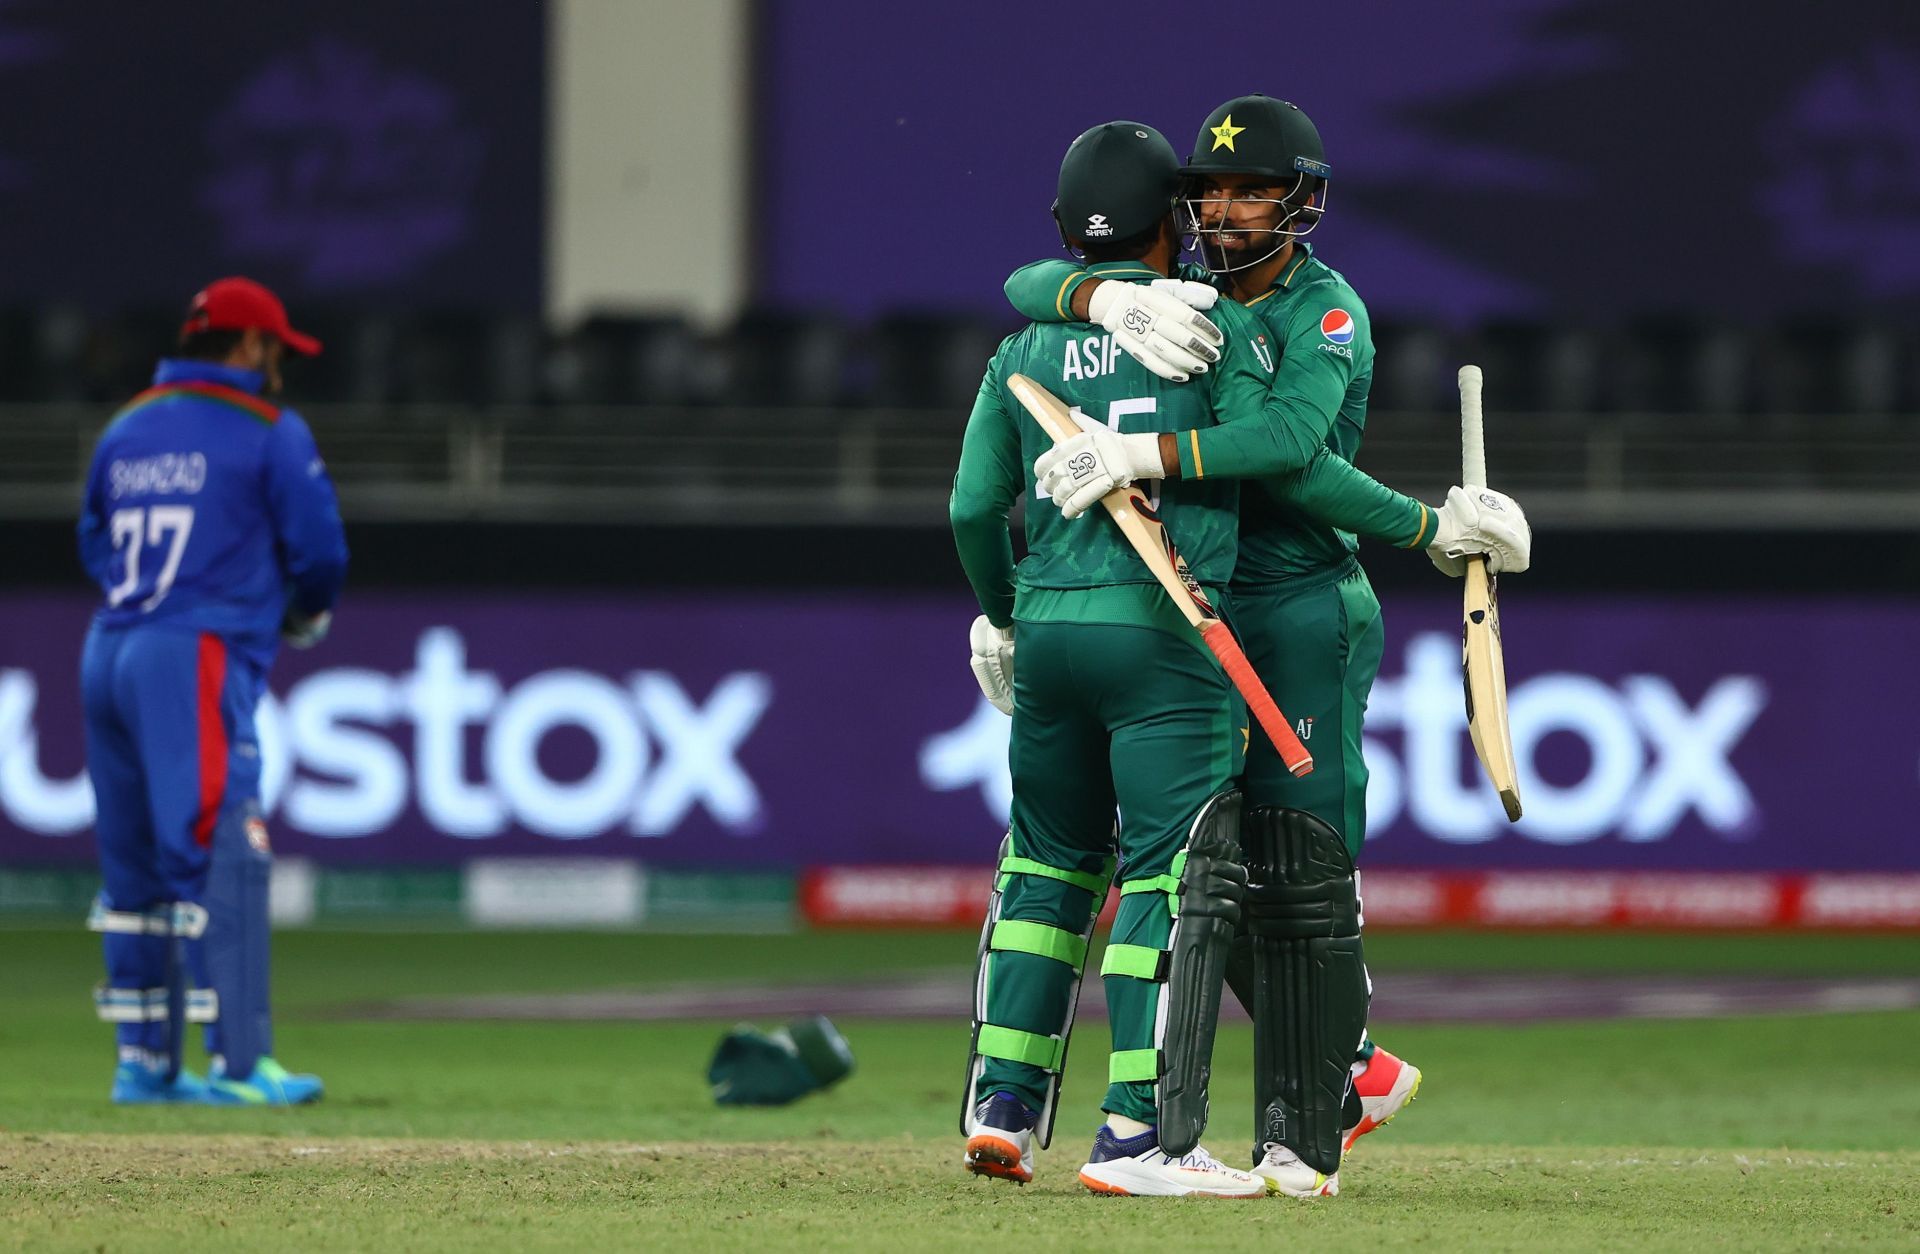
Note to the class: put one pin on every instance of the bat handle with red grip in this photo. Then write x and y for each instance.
(1293, 754)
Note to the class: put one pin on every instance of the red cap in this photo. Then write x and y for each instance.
(238, 304)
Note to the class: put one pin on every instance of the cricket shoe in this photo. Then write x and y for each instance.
(144, 1084)
(1385, 1086)
(1001, 1143)
(1283, 1172)
(1137, 1167)
(269, 1084)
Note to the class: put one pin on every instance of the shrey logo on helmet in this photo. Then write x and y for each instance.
(1098, 227)
(1337, 326)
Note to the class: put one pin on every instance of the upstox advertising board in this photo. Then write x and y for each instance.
(756, 731)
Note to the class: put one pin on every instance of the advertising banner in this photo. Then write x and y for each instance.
(930, 897)
(706, 731)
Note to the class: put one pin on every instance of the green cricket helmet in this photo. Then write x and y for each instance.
(1117, 180)
(1260, 137)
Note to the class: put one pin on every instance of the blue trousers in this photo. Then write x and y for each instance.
(175, 765)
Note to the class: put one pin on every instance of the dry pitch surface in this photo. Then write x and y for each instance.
(1771, 1131)
(283, 1193)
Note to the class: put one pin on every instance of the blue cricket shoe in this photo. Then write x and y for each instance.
(270, 1084)
(143, 1084)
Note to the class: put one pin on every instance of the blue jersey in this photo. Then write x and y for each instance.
(208, 509)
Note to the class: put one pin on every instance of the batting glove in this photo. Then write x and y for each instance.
(1076, 473)
(992, 662)
(1481, 521)
(303, 631)
(1160, 324)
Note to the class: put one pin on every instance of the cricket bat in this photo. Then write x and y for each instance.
(1142, 527)
(1481, 661)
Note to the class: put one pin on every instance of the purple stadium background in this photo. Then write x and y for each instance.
(762, 731)
(1517, 157)
(348, 154)
(1510, 158)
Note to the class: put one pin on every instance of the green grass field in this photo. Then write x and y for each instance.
(1783, 1132)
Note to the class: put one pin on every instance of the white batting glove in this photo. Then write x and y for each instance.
(302, 631)
(1076, 473)
(1160, 324)
(992, 662)
(1201, 296)
(1476, 521)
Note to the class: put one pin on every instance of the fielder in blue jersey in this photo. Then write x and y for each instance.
(211, 526)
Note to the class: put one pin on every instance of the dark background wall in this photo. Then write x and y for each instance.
(353, 152)
(638, 558)
(1585, 159)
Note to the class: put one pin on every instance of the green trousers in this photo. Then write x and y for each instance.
(1105, 716)
(1317, 643)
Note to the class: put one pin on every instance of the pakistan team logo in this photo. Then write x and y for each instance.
(1262, 351)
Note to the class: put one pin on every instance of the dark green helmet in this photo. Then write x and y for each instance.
(1269, 140)
(1117, 181)
(1259, 135)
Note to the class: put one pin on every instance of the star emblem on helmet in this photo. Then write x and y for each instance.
(1223, 134)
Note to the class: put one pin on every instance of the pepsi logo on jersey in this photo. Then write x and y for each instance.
(1337, 325)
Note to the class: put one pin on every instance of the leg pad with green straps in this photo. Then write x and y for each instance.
(1298, 969)
(1060, 952)
(1212, 882)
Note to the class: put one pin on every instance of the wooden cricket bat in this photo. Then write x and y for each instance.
(1481, 661)
(1142, 527)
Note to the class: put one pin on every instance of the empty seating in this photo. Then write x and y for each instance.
(1540, 369)
(1670, 364)
(623, 359)
(781, 359)
(924, 360)
(928, 361)
(22, 366)
(1414, 368)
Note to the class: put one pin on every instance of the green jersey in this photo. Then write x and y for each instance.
(1081, 364)
(1302, 519)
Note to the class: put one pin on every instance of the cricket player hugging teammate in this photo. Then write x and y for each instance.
(1230, 866)
(211, 526)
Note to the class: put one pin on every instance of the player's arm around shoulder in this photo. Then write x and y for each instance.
(1162, 325)
(1306, 389)
(1043, 290)
(1239, 382)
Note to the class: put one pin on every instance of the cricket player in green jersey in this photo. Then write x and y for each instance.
(1116, 706)
(1309, 620)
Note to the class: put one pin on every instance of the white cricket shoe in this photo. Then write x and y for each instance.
(1137, 1168)
(1283, 1172)
(1000, 1142)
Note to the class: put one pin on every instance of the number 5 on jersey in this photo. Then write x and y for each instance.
(1116, 410)
(1142, 528)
